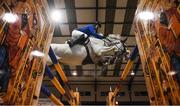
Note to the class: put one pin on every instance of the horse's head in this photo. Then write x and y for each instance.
(120, 51)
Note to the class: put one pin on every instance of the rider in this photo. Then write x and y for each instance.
(80, 35)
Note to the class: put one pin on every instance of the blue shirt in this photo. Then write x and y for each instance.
(90, 31)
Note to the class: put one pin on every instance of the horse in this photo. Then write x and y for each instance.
(96, 51)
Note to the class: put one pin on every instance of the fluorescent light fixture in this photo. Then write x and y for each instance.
(146, 15)
(132, 73)
(74, 73)
(116, 102)
(37, 53)
(10, 17)
(56, 15)
(110, 88)
(172, 73)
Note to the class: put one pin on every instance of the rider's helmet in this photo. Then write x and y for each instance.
(97, 24)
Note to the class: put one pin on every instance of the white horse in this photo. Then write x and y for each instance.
(92, 53)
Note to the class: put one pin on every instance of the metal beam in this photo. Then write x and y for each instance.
(51, 4)
(108, 22)
(129, 16)
(108, 69)
(97, 16)
(97, 7)
(87, 8)
(95, 74)
(117, 69)
(112, 76)
(95, 82)
(79, 70)
(79, 81)
(57, 31)
(67, 70)
(71, 14)
(104, 70)
(99, 84)
(110, 14)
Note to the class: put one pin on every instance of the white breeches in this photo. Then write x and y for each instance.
(76, 34)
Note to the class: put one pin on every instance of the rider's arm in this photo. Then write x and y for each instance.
(93, 32)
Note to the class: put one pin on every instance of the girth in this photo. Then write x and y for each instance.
(88, 59)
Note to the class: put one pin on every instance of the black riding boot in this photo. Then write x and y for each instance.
(80, 40)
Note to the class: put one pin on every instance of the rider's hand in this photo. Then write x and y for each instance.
(104, 37)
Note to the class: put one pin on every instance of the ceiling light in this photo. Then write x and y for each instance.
(10, 17)
(37, 53)
(132, 73)
(56, 15)
(116, 102)
(146, 15)
(172, 73)
(110, 88)
(74, 73)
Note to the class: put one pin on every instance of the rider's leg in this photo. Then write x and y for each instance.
(76, 34)
(78, 37)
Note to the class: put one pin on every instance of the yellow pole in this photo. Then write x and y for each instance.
(51, 96)
(127, 69)
(58, 86)
(54, 80)
(61, 72)
(55, 100)
(116, 91)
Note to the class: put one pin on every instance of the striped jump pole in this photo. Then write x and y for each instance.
(130, 63)
(57, 65)
(54, 80)
(59, 86)
(51, 96)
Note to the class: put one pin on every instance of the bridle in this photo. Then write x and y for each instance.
(121, 51)
(106, 41)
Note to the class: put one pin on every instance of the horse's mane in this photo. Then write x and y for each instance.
(114, 36)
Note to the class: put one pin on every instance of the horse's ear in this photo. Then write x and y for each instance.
(124, 40)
